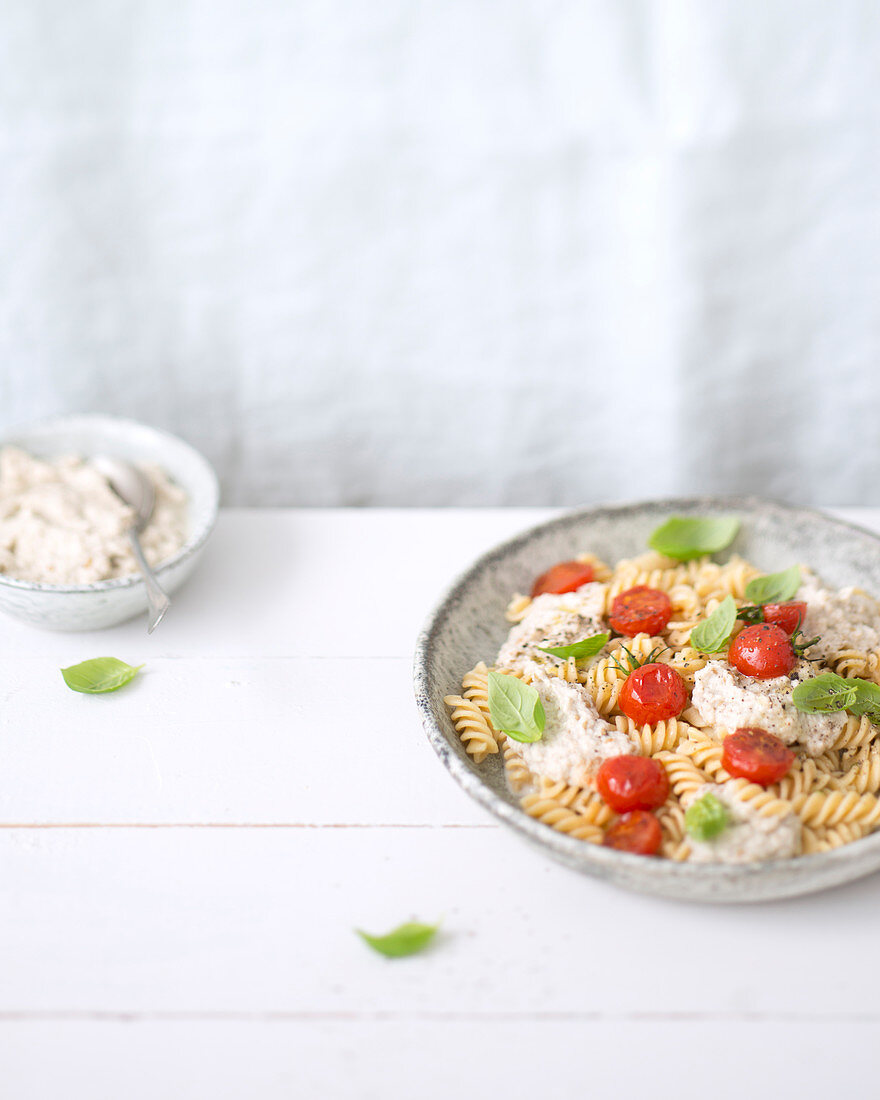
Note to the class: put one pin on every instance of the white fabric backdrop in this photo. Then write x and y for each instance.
(458, 252)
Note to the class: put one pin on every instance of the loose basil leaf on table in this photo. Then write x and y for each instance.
(775, 587)
(515, 708)
(586, 647)
(684, 537)
(825, 694)
(99, 675)
(406, 939)
(713, 634)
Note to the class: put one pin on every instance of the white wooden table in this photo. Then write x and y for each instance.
(182, 865)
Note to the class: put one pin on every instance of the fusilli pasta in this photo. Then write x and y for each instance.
(832, 794)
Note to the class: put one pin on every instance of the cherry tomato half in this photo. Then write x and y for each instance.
(754, 754)
(763, 651)
(566, 576)
(787, 616)
(638, 832)
(632, 783)
(640, 610)
(652, 694)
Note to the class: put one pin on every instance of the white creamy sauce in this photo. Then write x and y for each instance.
(846, 618)
(749, 837)
(553, 621)
(576, 738)
(727, 698)
(61, 523)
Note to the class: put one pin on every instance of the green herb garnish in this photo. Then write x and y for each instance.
(713, 634)
(98, 676)
(515, 708)
(633, 661)
(829, 693)
(407, 939)
(775, 587)
(586, 647)
(867, 700)
(682, 537)
(706, 818)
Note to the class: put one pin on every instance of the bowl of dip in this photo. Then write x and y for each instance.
(65, 559)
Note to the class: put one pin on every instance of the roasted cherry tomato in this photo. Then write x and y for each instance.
(652, 694)
(754, 754)
(763, 651)
(632, 783)
(787, 616)
(638, 832)
(640, 610)
(566, 576)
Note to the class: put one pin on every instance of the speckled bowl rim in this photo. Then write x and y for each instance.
(190, 547)
(709, 882)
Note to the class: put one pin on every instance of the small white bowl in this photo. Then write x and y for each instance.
(106, 603)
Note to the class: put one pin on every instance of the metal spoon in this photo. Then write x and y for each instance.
(136, 490)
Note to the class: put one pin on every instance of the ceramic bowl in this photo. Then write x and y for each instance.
(469, 625)
(105, 603)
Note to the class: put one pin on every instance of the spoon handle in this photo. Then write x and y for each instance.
(159, 602)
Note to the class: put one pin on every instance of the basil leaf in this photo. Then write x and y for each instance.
(406, 939)
(824, 694)
(713, 634)
(515, 708)
(775, 587)
(683, 537)
(867, 699)
(98, 676)
(586, 647)
(706, 818)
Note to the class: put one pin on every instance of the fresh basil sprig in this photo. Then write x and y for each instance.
(830, 693)
(586, 647)
(404, 940)
(775, 587)
(685, 537)
(824, 694)
(515, 708)
(706, 818)
(867, 700)
(713, 634)
(99, 675)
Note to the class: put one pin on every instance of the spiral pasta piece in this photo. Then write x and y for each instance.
(518, 608)
(671, 818)
(475, 687)
(662, 577)
(855, 733)
(764, 802)
(825, 840)
(649, 740)
(863, 774)
(805, 775)
(832, 808)
(685, 777)
(706, 754)
(565, 670)
(856, 662)
(713, 582)
(515, 768)
(603, 679)
(475, 732)
(551, 811)
(686, 661)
